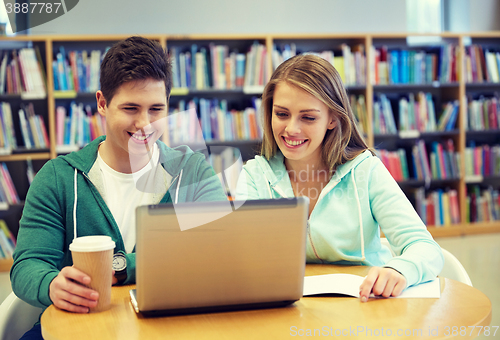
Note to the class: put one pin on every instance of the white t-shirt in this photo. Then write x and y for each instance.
(124, 192)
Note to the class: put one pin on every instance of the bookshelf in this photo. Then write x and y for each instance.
(230, 96)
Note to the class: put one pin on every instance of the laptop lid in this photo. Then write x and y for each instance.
(248, 256)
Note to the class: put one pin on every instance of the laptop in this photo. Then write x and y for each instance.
(219, 256)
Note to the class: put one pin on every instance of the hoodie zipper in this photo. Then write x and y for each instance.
(280, 192)
(309, 229)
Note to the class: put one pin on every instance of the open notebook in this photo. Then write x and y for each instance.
(348, 284)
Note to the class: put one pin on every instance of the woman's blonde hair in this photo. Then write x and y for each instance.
(319, 78)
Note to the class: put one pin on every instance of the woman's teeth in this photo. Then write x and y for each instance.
(294, 142)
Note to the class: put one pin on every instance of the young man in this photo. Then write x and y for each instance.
(103, 183)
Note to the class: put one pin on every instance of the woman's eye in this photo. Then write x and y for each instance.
(280, 114)
(309, 119)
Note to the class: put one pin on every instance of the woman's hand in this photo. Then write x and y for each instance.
(68, 291)
(382, 281)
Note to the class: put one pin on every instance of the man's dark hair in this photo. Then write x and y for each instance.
(135, 58)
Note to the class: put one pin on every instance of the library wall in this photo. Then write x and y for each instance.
(484, 15)
(227, 16)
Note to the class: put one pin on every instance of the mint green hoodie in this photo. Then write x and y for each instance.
(344, 224)
(47, 228)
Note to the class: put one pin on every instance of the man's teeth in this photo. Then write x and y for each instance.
(294, 142)
(141, 137)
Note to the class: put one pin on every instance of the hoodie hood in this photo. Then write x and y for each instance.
(274, 170)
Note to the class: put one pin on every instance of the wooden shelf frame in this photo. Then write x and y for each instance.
(367, 39)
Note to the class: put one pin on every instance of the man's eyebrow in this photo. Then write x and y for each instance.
(135, 104)
(301, 111)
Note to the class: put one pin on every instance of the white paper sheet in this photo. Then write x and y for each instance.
(348, 284)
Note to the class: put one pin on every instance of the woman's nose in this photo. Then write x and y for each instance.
(293, 127)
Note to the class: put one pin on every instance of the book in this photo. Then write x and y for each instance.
(8, 184)
(5, 229)
(7, 248)
(25, 129)
(3, 70)
(348, 284)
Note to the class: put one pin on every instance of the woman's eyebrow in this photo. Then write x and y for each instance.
(301, 111)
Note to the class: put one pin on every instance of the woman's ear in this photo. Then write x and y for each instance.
(332, 123)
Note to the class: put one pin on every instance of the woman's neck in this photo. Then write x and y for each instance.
(299, 171)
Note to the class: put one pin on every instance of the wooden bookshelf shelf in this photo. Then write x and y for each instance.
(6, 264)
(446, 231)
(482, 228)
(25, 156)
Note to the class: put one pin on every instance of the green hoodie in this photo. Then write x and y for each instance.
(46, 227)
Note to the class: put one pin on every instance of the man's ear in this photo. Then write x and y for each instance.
(101, 103)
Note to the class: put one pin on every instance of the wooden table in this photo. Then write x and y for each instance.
(459, 305)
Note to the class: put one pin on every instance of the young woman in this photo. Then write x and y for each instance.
(311, 147)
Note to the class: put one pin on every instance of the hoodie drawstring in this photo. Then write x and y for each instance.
(360, 217)
(74, 206)
(178, 186)
(269, 189)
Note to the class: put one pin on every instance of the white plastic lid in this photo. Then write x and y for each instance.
(92, 243)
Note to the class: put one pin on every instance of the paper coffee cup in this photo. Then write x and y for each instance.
(93, 255)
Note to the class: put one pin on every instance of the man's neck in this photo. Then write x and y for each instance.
(121, 161)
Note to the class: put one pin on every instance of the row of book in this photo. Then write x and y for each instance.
(415, 113)
(383, 117)
(483, 160)
(215, 122)
(419, 114)
(227, 165)
(22, 72)
(358, 106)
(441, 162)
(483, 205)
(482, 64)
(216, 67)
(405, 66)
(77, 70)
(77, 125)
(7, 241)
(395, 162)
(483, 114)
(33, 130)
(8, 140)
(438, 208)
(350, 62)
(8, 193)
